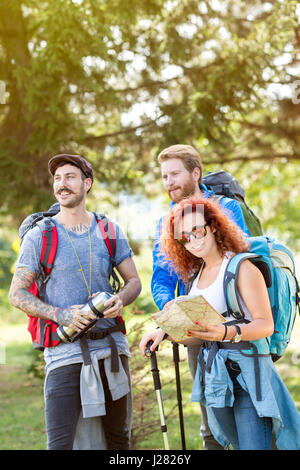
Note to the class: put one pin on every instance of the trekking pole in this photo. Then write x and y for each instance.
(157, 386)
(179, 396)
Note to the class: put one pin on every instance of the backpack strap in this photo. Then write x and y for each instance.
(109, 236)
(242, 346)
(234, 307)
(48, 252)
(49, 246)
(101, 333)
(108, 233)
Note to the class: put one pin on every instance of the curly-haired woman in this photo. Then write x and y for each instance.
(199, 240)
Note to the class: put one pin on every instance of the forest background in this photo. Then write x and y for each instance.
(116, 82)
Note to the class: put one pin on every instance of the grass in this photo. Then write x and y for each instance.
(169, 397)
(22, 406)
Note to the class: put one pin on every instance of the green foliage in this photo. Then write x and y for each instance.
(117, 81)
(7, 257)
(273, 194)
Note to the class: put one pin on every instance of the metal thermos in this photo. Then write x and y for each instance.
(95, 304)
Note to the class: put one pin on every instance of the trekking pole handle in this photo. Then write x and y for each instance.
(154, 366)
(148, 352)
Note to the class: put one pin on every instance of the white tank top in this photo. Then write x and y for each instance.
(214, 293)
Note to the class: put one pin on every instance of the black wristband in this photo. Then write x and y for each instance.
(225, 334)
(238, 330)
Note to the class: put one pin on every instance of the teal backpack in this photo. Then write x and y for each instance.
(277, 265)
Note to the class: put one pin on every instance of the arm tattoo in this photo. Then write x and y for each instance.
(20, 285)
(20, 297)
(64, 316)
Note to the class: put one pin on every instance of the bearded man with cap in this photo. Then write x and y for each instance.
(76, 391)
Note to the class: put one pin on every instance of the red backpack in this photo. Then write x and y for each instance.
(43, 332)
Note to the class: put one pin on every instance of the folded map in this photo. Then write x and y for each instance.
(180, 317)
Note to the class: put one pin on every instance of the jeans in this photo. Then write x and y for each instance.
(63, 406)
(241, 423)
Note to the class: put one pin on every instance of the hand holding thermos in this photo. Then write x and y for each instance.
(90, 313)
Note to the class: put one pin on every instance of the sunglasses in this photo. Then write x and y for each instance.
(198, 232)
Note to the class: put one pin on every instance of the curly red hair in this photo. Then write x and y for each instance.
(228, 236)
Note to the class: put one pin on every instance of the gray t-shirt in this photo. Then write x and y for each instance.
(66, 286)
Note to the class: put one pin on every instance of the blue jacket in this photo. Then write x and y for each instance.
(164, 279)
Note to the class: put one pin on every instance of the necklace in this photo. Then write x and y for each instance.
(88, 286)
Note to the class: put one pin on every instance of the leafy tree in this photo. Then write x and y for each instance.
(7, 257)
(117, 81)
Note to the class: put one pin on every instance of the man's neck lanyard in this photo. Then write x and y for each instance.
(88, 286)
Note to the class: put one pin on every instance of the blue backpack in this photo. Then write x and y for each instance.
(277, 265)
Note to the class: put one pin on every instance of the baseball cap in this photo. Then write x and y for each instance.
(76, 160)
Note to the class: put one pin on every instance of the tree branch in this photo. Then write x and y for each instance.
(221, 160)
(126, 130)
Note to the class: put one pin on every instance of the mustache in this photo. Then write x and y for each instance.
(60, 190)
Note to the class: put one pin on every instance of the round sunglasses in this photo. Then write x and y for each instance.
(198, 232)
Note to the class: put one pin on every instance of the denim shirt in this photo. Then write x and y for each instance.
(276, 401)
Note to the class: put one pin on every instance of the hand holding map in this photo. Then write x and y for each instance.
(181, 316)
